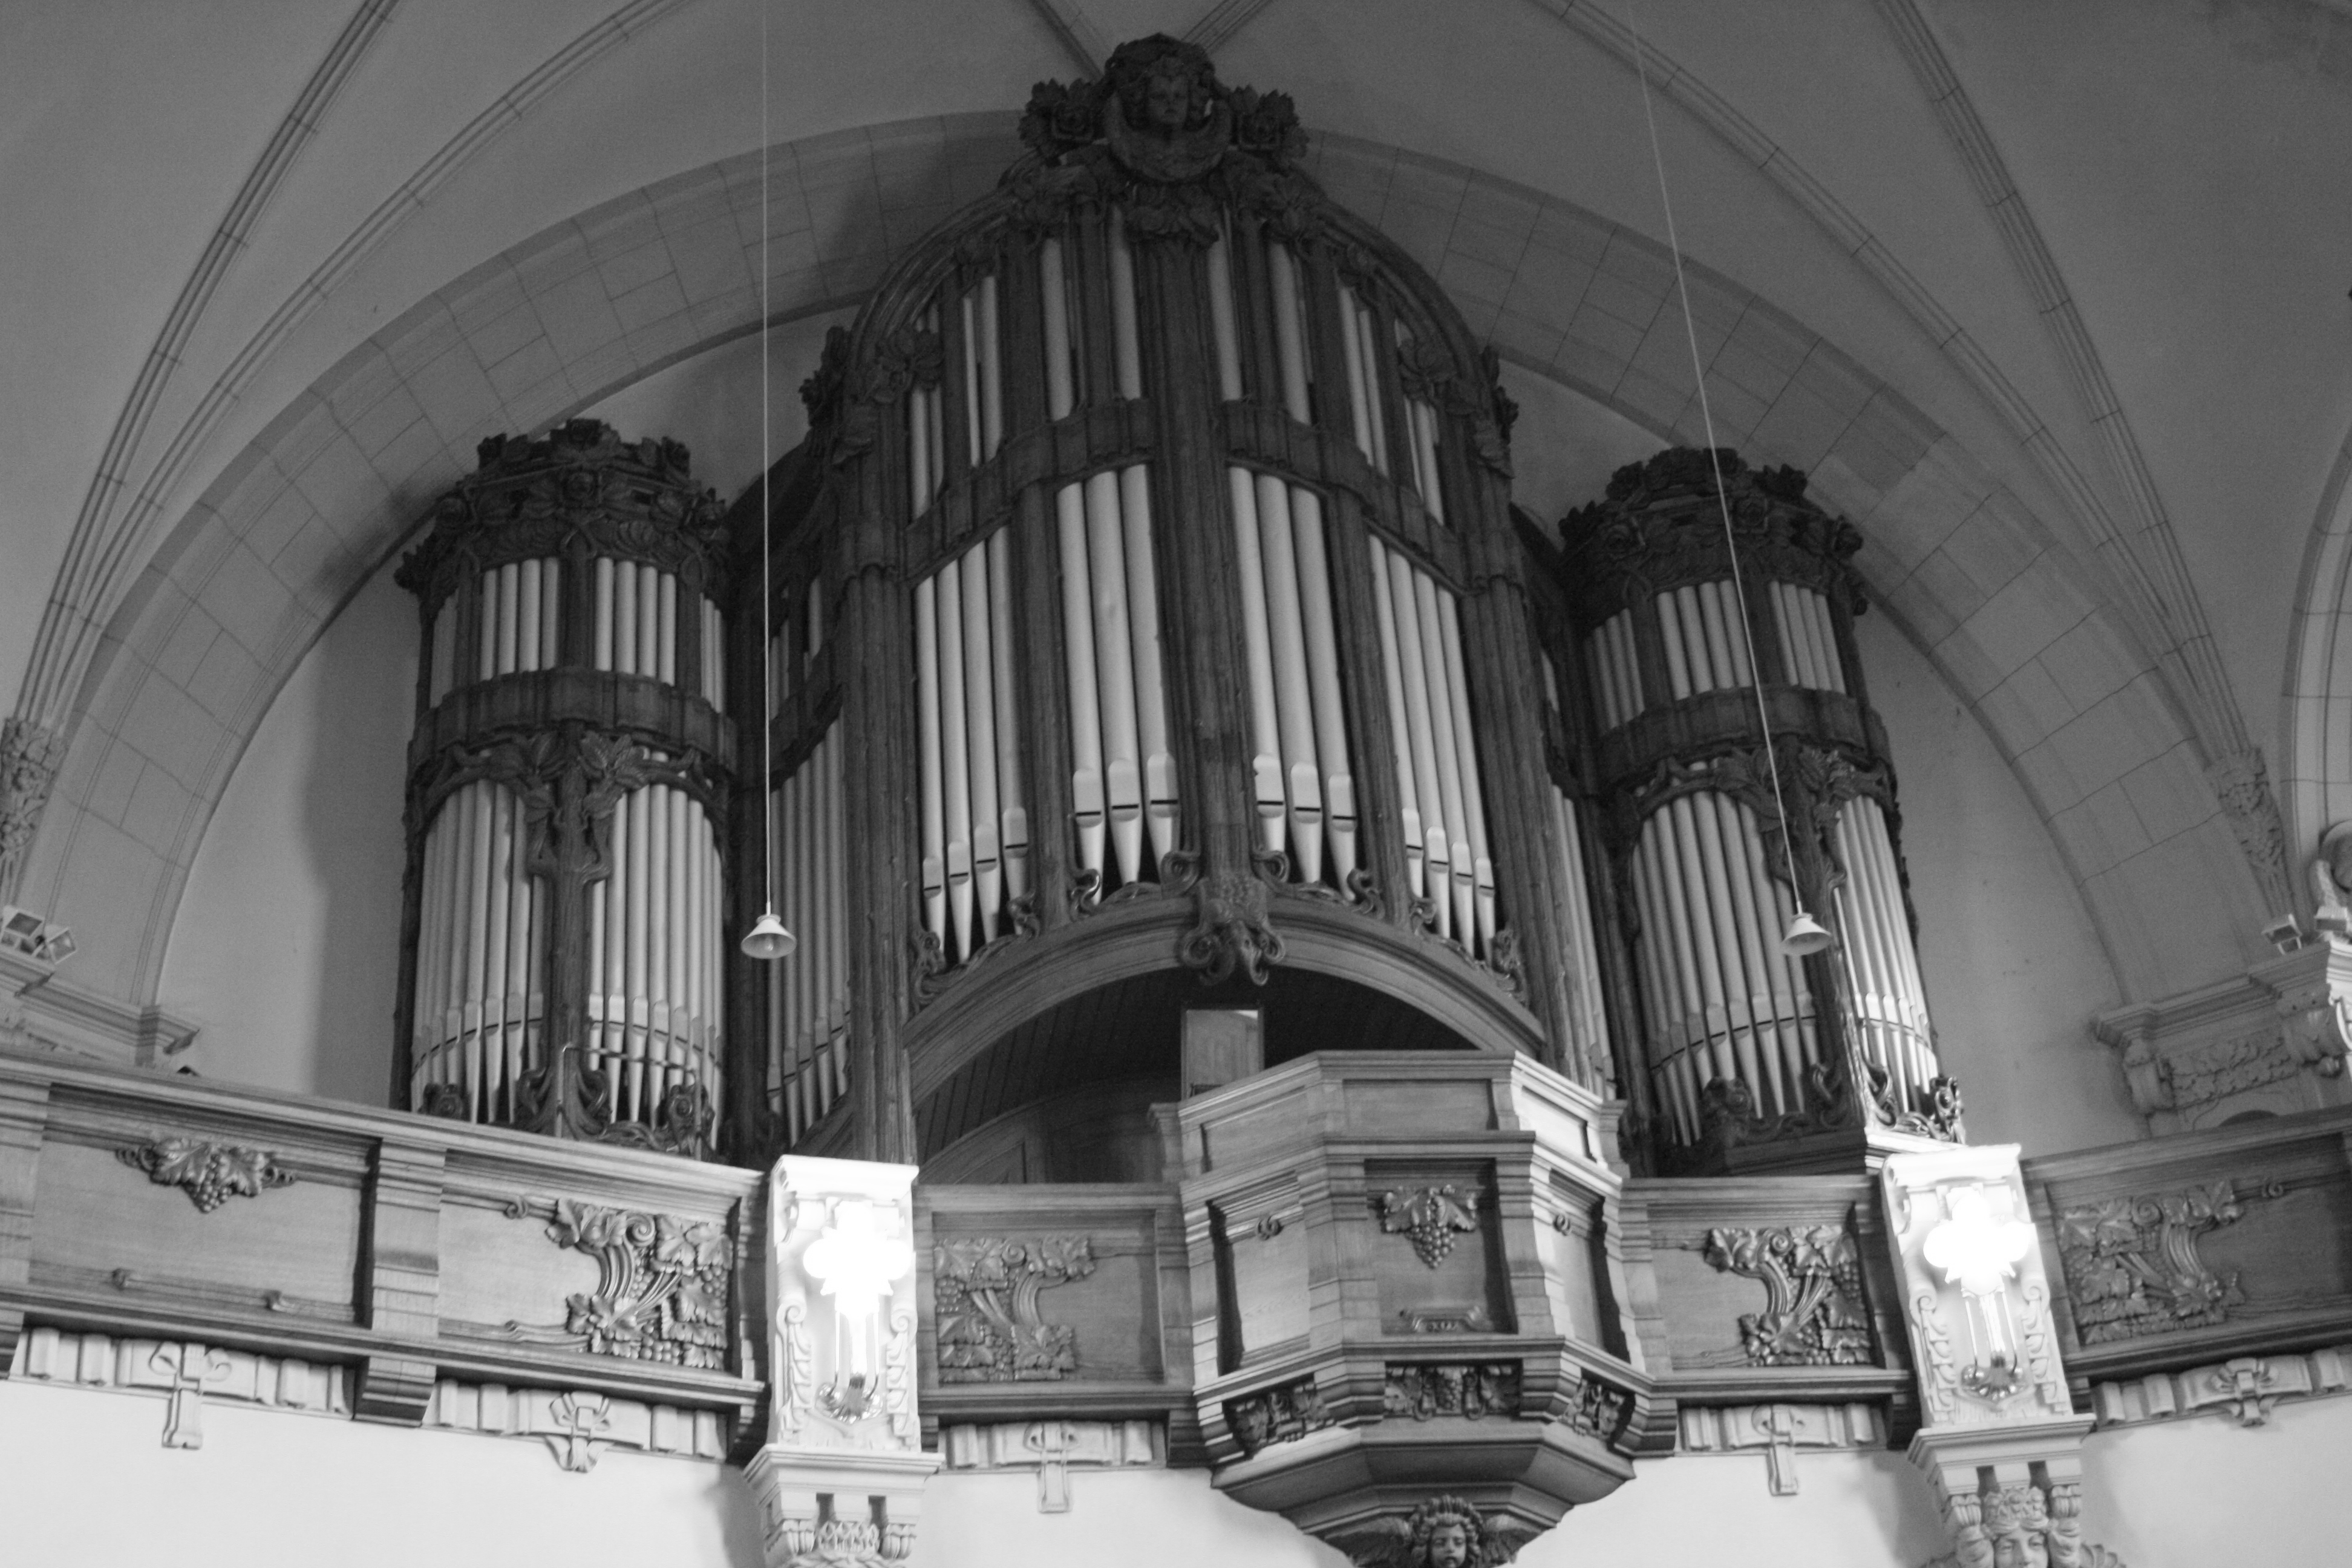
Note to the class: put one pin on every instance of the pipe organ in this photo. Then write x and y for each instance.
(1185, 776)
(1146, 599)
(566, 924)
(1749, 1055)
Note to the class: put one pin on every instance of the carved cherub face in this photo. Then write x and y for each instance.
(2020, 1546)
(1168, 98)
(1449, 1544)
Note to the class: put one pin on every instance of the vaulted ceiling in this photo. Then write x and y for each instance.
(2052, 299)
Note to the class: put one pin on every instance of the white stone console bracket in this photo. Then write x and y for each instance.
(840, 1480)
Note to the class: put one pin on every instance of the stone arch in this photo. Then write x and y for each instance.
(2317, 725)
(248, 578)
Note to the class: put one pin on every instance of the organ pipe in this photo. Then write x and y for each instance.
(566, 893)
(1425, 680)
(806, 1004)
(1746, 1049)
(975, 837)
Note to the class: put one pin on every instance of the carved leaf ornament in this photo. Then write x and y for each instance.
(1812, 1288)
(1429, 1218)
(211, 1173)
(2132, 1264)
(664, 1294)
(985, 1289)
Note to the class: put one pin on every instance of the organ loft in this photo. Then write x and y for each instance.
(1301, 969)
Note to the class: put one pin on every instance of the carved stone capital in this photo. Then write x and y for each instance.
(30, 757)
(2012, 1496)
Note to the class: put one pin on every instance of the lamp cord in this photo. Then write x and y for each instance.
(1715, 461)
(767, 584)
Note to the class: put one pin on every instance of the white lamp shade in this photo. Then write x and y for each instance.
(1804, 937)
(768, 940)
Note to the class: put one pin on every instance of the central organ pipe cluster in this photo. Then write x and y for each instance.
(1163, 507)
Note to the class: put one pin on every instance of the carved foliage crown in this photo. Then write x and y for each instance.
(1660, 526)
(529, 498)
(1161, 136)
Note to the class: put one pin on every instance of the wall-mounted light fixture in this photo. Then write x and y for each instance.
(22, 931)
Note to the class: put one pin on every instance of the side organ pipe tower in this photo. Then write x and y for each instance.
(1751, 1059)
(569, 776)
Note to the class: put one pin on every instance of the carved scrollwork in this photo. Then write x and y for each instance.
(210, 1173)
(1428, 1216)
(1940, 1376)
(1598, 1410)
(2132, 1265)
(1471, 1390)
(30, 757)
(1161, 138)
(1276, 1415)
(1660, 527)
(1811, 1277)
(529, 498)
(663, 1293)
(835, 1537)
(1231, 932)
(1729, 1116)
(985, 1292)
(682, 1122)
(1507, 964)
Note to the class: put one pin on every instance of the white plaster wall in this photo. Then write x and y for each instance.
(2013, 965)
(2186, 1494)
(86, 1480)
(711, 401)
(1565, 446)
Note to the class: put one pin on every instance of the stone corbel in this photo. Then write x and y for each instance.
(2316, 1011)
(1053, 1447)
(2011, 1495)
(190, 1367)
(2131, 1034)
(1780, 1432)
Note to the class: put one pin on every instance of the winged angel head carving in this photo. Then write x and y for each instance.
(1442, 1533)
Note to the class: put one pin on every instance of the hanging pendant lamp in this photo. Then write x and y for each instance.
(767, 941)
(1805, 936)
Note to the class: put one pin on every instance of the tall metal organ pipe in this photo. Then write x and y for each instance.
(1753, 1058)
(1126, 814)
(564, 964)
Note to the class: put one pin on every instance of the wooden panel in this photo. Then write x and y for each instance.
(1452, 1283)
(1569, 1242)
(103, 1223)
(2201, 1245)
(1421, 1109)
(1261, 1244)
(498, 1268)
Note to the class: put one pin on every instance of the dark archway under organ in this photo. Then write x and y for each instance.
(1066, 1096)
